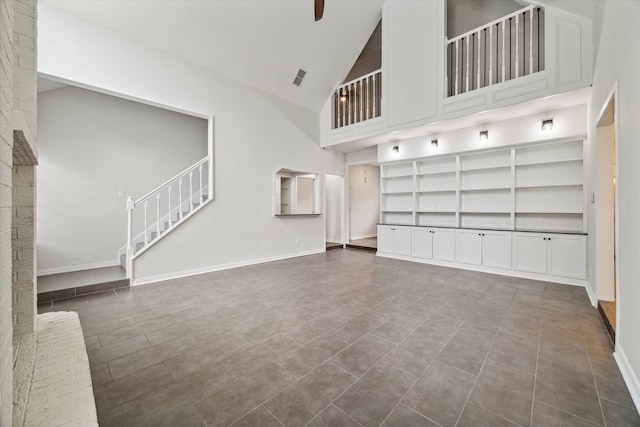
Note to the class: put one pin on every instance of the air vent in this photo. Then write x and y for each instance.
(298, 80)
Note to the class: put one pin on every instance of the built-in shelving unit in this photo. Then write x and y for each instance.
(536, 187)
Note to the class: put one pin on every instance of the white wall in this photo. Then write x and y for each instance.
(254, 134)
(567, 122)
(465, 15)
(91, 146)
(618, 61)
(364, 201)
(333, 207)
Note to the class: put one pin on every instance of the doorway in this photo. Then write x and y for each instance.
(334, 195)
(364, 206)
(606, 215)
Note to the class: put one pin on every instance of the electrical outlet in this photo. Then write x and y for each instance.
(297, 242)
(122, 194)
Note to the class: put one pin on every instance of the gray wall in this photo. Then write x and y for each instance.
(465, 15)
(91, 146)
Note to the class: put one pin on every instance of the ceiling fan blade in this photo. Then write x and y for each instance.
(319, 9)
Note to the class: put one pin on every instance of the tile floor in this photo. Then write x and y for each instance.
(345, 338)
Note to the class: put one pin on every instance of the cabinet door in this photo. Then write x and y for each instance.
(443, 244)
(385, 239)
(469, 247)
(422, 243)
(402, 242)
(496, 249)
(567, 255)
(530, 252)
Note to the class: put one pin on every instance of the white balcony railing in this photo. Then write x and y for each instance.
(502, 50)
(357, 100)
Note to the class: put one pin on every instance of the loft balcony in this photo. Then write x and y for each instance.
(506, 49)
(358, 100)
(533, 53)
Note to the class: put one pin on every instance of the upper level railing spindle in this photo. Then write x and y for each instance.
(479, 44)
(517, 47)
(457, 64)
(503, 51)
(467, 67)
(530, 41)
(491, 55)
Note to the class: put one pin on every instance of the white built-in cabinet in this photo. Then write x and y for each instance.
(553, 254)
(394, 240)
(484, 247)
(517, 209)
(433, 243)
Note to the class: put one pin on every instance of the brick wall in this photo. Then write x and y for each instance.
(24, 158)
(6, 162)
(23, 249)
(17, 184)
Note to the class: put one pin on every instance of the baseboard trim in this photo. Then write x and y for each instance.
(196, 271)
(629, 376)
(364, 236)
(77, 267)
(592, 296)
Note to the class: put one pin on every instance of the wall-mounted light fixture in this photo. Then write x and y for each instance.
(395, 149)
(434, 143)
(547, 124)
(344, 94)
(484, 135)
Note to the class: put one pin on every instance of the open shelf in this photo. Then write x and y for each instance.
(487, 189)
(437, 173)
(485, 168)
(538, 187)
(445, 190)
(549, 162)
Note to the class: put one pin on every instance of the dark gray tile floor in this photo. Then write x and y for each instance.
(348, 339)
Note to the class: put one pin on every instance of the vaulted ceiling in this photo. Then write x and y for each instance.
(261, 43)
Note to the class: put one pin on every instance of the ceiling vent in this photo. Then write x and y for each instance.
(298, 80)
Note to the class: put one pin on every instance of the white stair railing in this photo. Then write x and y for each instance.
(153, 215)
(502, 50)
(357, 100)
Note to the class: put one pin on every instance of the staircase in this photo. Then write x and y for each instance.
(160, 211)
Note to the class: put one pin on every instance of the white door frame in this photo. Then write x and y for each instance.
(342, 205)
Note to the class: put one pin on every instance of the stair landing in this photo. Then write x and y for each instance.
(77, 283)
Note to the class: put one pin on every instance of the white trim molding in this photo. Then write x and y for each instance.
(629, 376)
(77, 267)
(185, 273)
